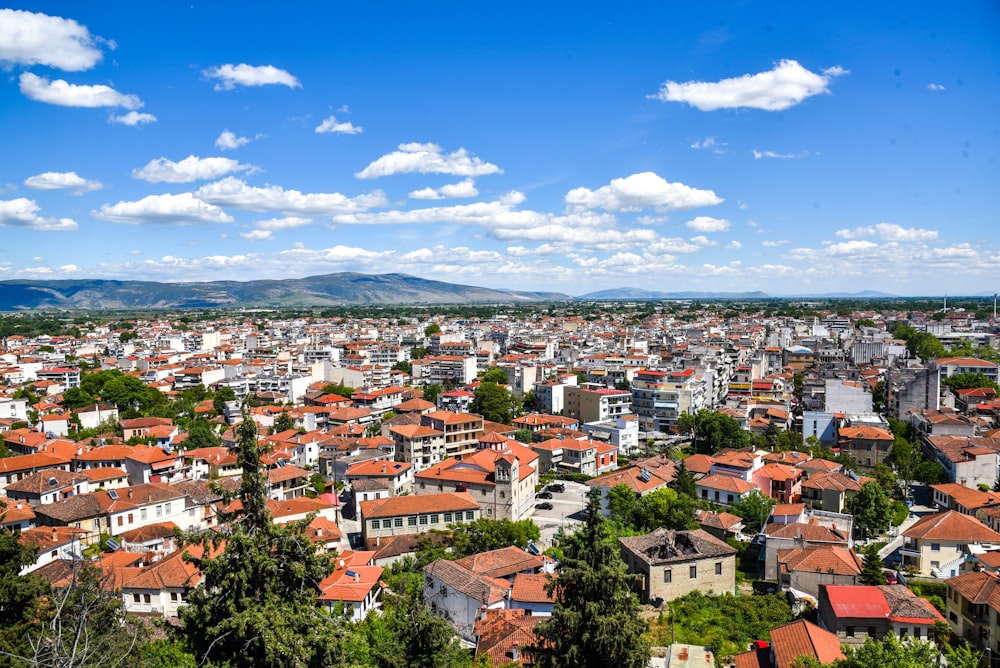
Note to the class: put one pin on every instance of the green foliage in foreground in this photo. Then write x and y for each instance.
(727, 624)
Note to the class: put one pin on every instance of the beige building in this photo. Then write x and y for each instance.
(401, 515)
(594, 403)
(675, 563)
(937, 544)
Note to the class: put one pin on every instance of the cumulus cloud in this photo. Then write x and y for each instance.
(234, 193)
(66, 94)
(416, 158)
(888, 232)
(710, 144)
(640, 191)
(62, 180)
(23, 212)
(182, 209)
(935, 87)
(191, 168)
(227, 141)
(257, 235)
(708, 224)
(466, 188)
(774, 244)
(785, 86)
(734, 245)
(331, 126)
(286, 223)
(132, 118)
(29, 38)
(230, 76)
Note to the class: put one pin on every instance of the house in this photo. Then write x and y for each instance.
(396, 476)
(415, 514)
(779, 537)
(830, 490)
(803, 570)
(160, 588)
(140, 427)
(48, 486)
(418, 445)
(675, 563)
(800, 638)
(287, 481)
(868, 445)
(973, 607)
(967, 460)
(723, 489)
(781, 482)
(642, 477)
(504, 563)
(936, 545)
(19, 467)
(722, 525)
(504, 634)
(52, 543)
(953, 496)
(458, 594)
(858, 612)
(530, 592)
(355, 584)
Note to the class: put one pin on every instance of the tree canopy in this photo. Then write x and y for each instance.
(595, 622)
(712, 431)
(495, 403)
(871, 508)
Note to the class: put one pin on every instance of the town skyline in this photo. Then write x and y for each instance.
(669, 149)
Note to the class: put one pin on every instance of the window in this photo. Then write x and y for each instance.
(397, 522)
(145, 598)
(386, 524)
(167, 508)
(130, 519)
(135, 598)
(849, 631)
(935, 547)
(953, 617)
(871, 631)
(447, 517)
(142, 513)
(374, 524)
(173, 596)
(718, 568)
(434, 519)
(423, 519)
(935, 564)
(693, 572)
(469, 515)
(159, 511)
(489, 511)
(668, 576)
(411, 521)
(121, 520)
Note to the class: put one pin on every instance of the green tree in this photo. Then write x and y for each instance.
(622, 503)
(968, 381)
(929, 472)
(713, 431)
(201, 434)
(665, 508)
(904, 458)
(284, 422)
(223, 395)
(495, 403)
(77, 397)
(403, 366)
(684, 482)
(432, 329)
(256, 605)
(487, 534)
(595, 622)
(522, 436)
(871, 509)
(432, 392)
(754, 508)
(339, 389)
(872, 572)
(890, 651)
(494, 375)
(418, 353)
(408, 635)
(20, 597)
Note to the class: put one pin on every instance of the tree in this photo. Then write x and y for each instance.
(871, 509)
(201, 434)
(487, 534)
(256, 604)
(418, 353)
(684, 482)
(665, 508)
(890, 651)
(872, 572)
(494, 375)
(929, 472)
(432, 329)
(495, 403)
(522, 436)
(431, 393)
(339, 389)
(595, 622)
(754, 508)
(403, 366)
(968, 381)
(20, 596)
(77, 397)
(223, 395)
(284, 422)
(621, 503)
(903, 457)
(714, 431)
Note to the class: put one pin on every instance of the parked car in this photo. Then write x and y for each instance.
(544, 505)
(544, 495)
(556, 487)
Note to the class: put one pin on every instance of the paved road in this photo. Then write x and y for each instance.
(565, 513)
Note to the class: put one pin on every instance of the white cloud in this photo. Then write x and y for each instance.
(28, 38)
(228, 141)
(331, 126)
(416, 158)
(191, 168)
(784, 86)
(466, 188)
(66, 94)
(888, 232)
(774, 244)
(62, 180)
(640, 191)
(702, 240)
(230, 76)
(757, 155)
(257, 235)
(234, 193)
(182, 209)
(23, 212)
(710, 144)
(935, 87)
(132, 118)
(708, 224)
(734, 245)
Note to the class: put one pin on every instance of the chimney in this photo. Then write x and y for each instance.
(357, 577)
(683, 654)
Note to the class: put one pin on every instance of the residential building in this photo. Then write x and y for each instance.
(675, 563)
(418, 445)
(858, 612)
(779, 537)
(596, 403)
(803, 570)
(659, 398)
(789, 643)
(460, 595)
(937, 544)
(967, 460)
(399, 515)
(621, 432)
(867, 444)
(461, 431)
(973, 608)
(354, 585)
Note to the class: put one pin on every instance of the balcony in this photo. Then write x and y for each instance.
(910, 548)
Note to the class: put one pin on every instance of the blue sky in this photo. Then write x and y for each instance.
(541, 146)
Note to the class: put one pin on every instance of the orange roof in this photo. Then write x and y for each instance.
(954, 526)
(418, 504)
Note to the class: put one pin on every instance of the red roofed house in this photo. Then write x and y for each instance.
(399, 515)
(858, 612)
(788, 643)
(354, 583)
(779, 481)
(937, 544)
(867, 444)
(503, 635)
(973, 607)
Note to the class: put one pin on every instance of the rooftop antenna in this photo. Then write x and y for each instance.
(994, 306)
(946, 302)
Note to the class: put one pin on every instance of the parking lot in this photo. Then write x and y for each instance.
(566, 511)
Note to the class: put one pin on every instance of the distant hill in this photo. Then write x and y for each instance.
(326, 290)
(638, 294)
